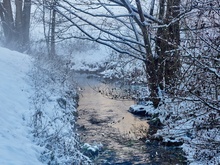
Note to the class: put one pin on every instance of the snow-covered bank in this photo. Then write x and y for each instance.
(37, 112)
(196, 133)
(16, 146)
(54, 103)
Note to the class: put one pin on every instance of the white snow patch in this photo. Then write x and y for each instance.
(16, 146)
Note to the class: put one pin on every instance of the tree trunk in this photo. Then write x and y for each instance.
(7, 22)
(16, 31)
(26, 17)
(150, 62)
(162, 70)
(50, 27)
(167, 42)
(18, 22)
(53, 28)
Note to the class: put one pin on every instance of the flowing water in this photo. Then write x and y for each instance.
(106, 121)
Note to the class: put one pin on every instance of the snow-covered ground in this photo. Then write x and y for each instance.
(16, 145)
(37, 113)
(178, 126)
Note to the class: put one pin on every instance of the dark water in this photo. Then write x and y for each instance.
(105, 120)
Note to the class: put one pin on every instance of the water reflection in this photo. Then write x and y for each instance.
(107, 121)
(104, 107)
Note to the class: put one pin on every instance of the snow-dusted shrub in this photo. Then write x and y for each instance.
(124, 68)
(192, 115)
(53, 113)
(194, 124)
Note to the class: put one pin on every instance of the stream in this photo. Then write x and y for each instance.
(106, 122)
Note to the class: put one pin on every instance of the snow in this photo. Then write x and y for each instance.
(179, 127)
(142, 108)
(35, 129)
(90, 57)
(16, 146)
(93, 148)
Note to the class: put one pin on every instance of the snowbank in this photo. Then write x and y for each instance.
(53, 111)
(16, 146)
(37, 114)
(188, 129)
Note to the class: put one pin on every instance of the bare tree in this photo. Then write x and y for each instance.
(202, 51)
(49, 22)
(16, 29)
(7, 20)
(200, 83)
(54, 26)
(131, 31)
(167, 44)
